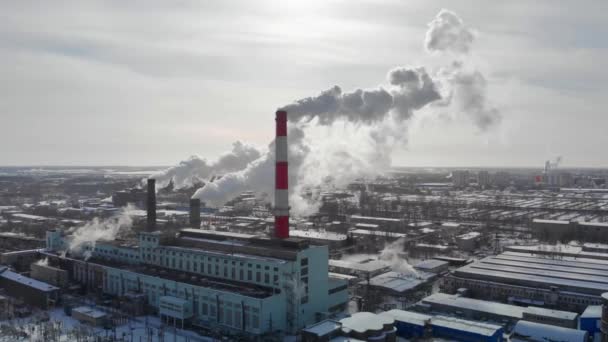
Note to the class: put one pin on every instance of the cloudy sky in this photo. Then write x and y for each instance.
(152, 82)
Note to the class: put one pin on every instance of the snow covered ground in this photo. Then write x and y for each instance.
(62, 328)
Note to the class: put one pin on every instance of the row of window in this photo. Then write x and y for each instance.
(229, 313)
(213, 269)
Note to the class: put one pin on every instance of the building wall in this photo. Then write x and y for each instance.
(210, 307)
(301, 286)
(591, 325)
(29, 295)
(51, 275)
(482, 289)
(465, 336)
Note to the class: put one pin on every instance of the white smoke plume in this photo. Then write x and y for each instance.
(555, 163)
(337, 136)
(196, 169)
(43, 262)
(392, 253)
(85, 237)
(447, 32)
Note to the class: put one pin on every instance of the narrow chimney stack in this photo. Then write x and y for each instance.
(281, 192)
(151, 205)
(195, 213)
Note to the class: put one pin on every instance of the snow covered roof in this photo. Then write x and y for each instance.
(592, 311)
(515, 312)
(370, 266)
(408, 316)
(469, 236)
(566, 315)
(475, 327)
(317, 234)
(36, 284)
(400, 282)
(542, 332)
(31, 217)
(85, 310)
(323, 328)
(430, 264)
(374, 218)
(419, 319)
(365, 321)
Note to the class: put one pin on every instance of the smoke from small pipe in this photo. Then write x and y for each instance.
(84, 238)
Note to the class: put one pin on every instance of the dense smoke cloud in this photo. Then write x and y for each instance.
(413, 89)
(447, 33)
(338, 136)
(196, 169)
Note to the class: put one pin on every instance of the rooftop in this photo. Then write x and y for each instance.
(543, 332)
(85, 310)
(365, 321)
(323, 328)
(539, 271)
(400, 282)
(369, 266)
(33, 283)
(244, 244)
(592, 311)
(430, 264)
(475, 327)
(374, 218)
(317, 234)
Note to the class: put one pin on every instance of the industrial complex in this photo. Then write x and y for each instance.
(485, 257)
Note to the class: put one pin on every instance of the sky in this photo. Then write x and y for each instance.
(152, 82)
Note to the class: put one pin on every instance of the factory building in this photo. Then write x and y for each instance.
(399, 284)
(560, 230)
(381, 223)
(252, 285)
(48, 274)
(566, 283)
(235, 283)
(412, 325)
(537, 332)
(476, 309)
(469, 241)
(432, 266)
(31, 291)
(591, 319)
(587, 251)
(364, 269)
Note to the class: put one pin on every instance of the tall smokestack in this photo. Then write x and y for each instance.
(281, 191)
(195, 213)
(151, 205)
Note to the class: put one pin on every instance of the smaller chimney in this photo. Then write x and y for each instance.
(151, 205)
(195, 213)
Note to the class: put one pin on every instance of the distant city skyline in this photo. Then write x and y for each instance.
(113, 83)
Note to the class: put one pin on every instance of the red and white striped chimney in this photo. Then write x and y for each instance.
(281, 190)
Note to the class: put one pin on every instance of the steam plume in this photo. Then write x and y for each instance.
(99, 230)
(197, 169)
(447, 33)
(337, 136)
(392, 254)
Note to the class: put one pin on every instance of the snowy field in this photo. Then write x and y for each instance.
(62, 328)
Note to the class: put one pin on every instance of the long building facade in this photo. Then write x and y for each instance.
(250, 286)
(566, 283)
